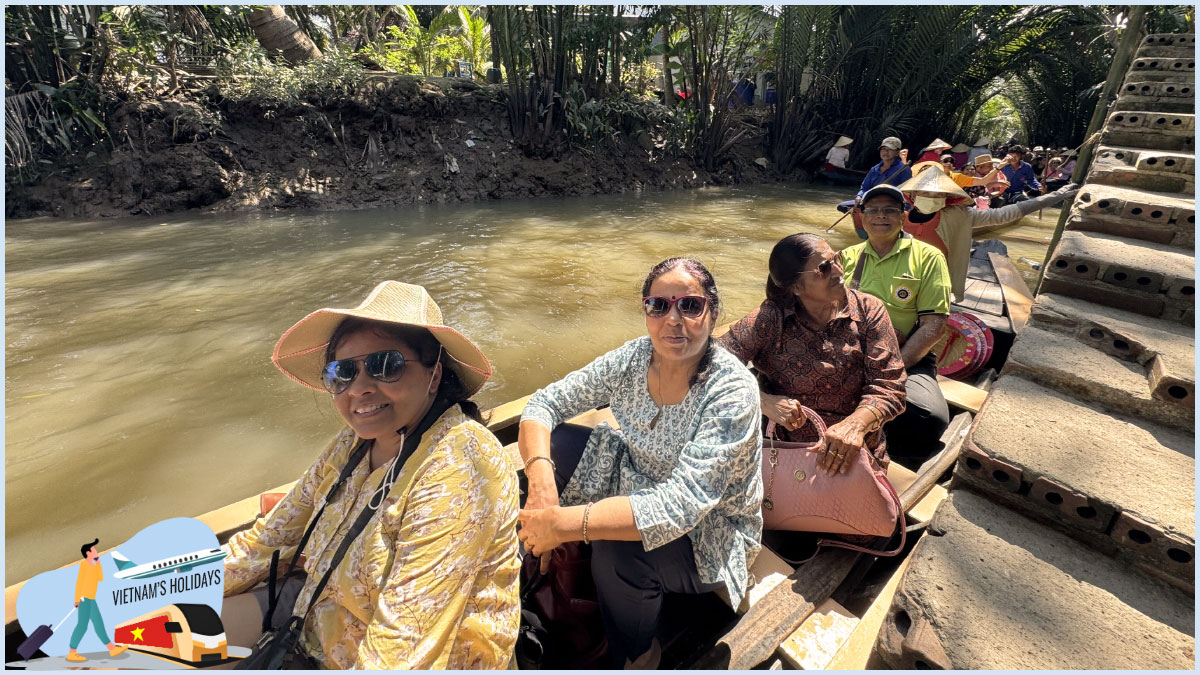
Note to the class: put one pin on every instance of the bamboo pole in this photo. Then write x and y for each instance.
(1116, 73)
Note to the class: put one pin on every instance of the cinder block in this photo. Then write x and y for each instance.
(1171, 553)
(1074, 507)
(988, 472)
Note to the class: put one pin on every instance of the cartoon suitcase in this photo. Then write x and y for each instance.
(40, 634)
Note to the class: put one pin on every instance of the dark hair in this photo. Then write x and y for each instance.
(1019, 149)
(700, 273)
(87, 547)
(788, 259)
(451, 388)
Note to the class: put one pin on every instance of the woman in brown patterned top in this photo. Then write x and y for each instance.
(819, 344)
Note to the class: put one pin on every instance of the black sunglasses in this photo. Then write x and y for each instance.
(690, 306)
(385, 366)
(823, 269)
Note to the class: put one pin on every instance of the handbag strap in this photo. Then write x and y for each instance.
(899, 519)
(272, 595)
(410, 446)
(858, 267)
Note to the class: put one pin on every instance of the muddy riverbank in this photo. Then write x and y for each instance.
(401, 141)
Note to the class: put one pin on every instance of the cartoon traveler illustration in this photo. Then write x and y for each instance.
(90, 576)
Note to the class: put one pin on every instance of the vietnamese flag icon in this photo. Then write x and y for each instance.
(152, 632)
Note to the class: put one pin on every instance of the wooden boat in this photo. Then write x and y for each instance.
(842, 175)
(828, 612)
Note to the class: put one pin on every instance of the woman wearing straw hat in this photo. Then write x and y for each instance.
(941, 216)
(670, 501)
(431, 579)
(839, 154)
(931, 152)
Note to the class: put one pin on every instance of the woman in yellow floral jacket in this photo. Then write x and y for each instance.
(432, 580)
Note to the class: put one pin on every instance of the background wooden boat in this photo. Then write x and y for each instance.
(842, 175)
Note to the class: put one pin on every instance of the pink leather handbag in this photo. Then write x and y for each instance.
(799, 496)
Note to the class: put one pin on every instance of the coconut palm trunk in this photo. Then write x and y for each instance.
(278, 34)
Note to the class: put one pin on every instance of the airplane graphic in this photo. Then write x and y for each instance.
(126, 569)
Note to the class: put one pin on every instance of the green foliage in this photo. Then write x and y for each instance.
(247, 73)
(641, 77)
(599, 122)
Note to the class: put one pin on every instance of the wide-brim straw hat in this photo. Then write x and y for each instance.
(932, 179)
(300, 353)
(961, 147)
(982, 159)
(843, 141)
(937, 144)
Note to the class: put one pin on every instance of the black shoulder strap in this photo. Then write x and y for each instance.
(858, 267)
(352, 463)
(410, 446)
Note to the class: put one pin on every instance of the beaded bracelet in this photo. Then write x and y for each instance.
(535, 458)
(586, 511)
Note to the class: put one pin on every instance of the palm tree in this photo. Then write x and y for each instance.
(279, 34)
(427, 37)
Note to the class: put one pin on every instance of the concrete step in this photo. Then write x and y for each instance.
(1162, 44)
(1067, 364)
(1157, 170)
(1158, 217)
(1137, 276)
(1166, 351)
(988, 589)
(1164, 63)
(1169, 97)
(1149, 129)
(1121, 485)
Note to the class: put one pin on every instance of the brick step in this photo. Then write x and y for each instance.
(1138, 276)
(1166, 351)
(1072, 366)
(1180, 45)
(989, 589)
(1170, 97)
(1174, 65)
(1148, 129)
(1158, 217)
(1158, 170)
(1121, 485)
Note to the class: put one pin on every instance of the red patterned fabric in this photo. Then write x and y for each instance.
(826, 370)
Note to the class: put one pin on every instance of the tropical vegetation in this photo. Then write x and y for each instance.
(665, 77)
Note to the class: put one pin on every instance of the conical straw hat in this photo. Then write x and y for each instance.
(931, 179)
(937, 144)
(986, 141)
(843, 141)
(961, 147)
(300, 353)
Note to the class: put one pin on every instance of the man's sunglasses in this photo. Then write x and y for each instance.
(690, 306)
(947, 161)
(385, 366)
(823, 269)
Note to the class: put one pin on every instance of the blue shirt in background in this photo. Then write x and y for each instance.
(877, 175)
(1022, 178)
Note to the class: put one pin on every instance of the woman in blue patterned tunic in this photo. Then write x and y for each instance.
(669, 501)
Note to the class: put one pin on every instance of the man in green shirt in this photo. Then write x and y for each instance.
(913, 281)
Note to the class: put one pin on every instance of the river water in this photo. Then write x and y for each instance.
(138, 376)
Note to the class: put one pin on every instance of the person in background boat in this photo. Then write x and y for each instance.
(911, 279)
(432, 580)
(1061, 175)
(960, 154)
(671, 499)
(942, 217)
(981, 147)
(817, 344)
(839, 154)
(962, 179)
(892, 169)
(1020, 176)
(933, 151)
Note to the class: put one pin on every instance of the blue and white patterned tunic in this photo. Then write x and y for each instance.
(697, 472)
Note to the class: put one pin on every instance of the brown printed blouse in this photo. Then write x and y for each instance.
(854, 360)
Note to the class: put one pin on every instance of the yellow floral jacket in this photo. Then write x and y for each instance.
(432, 580)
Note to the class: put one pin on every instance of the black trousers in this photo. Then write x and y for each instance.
(630, 581)
(915, 435)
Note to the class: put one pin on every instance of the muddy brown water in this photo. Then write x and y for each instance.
(138, 379)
